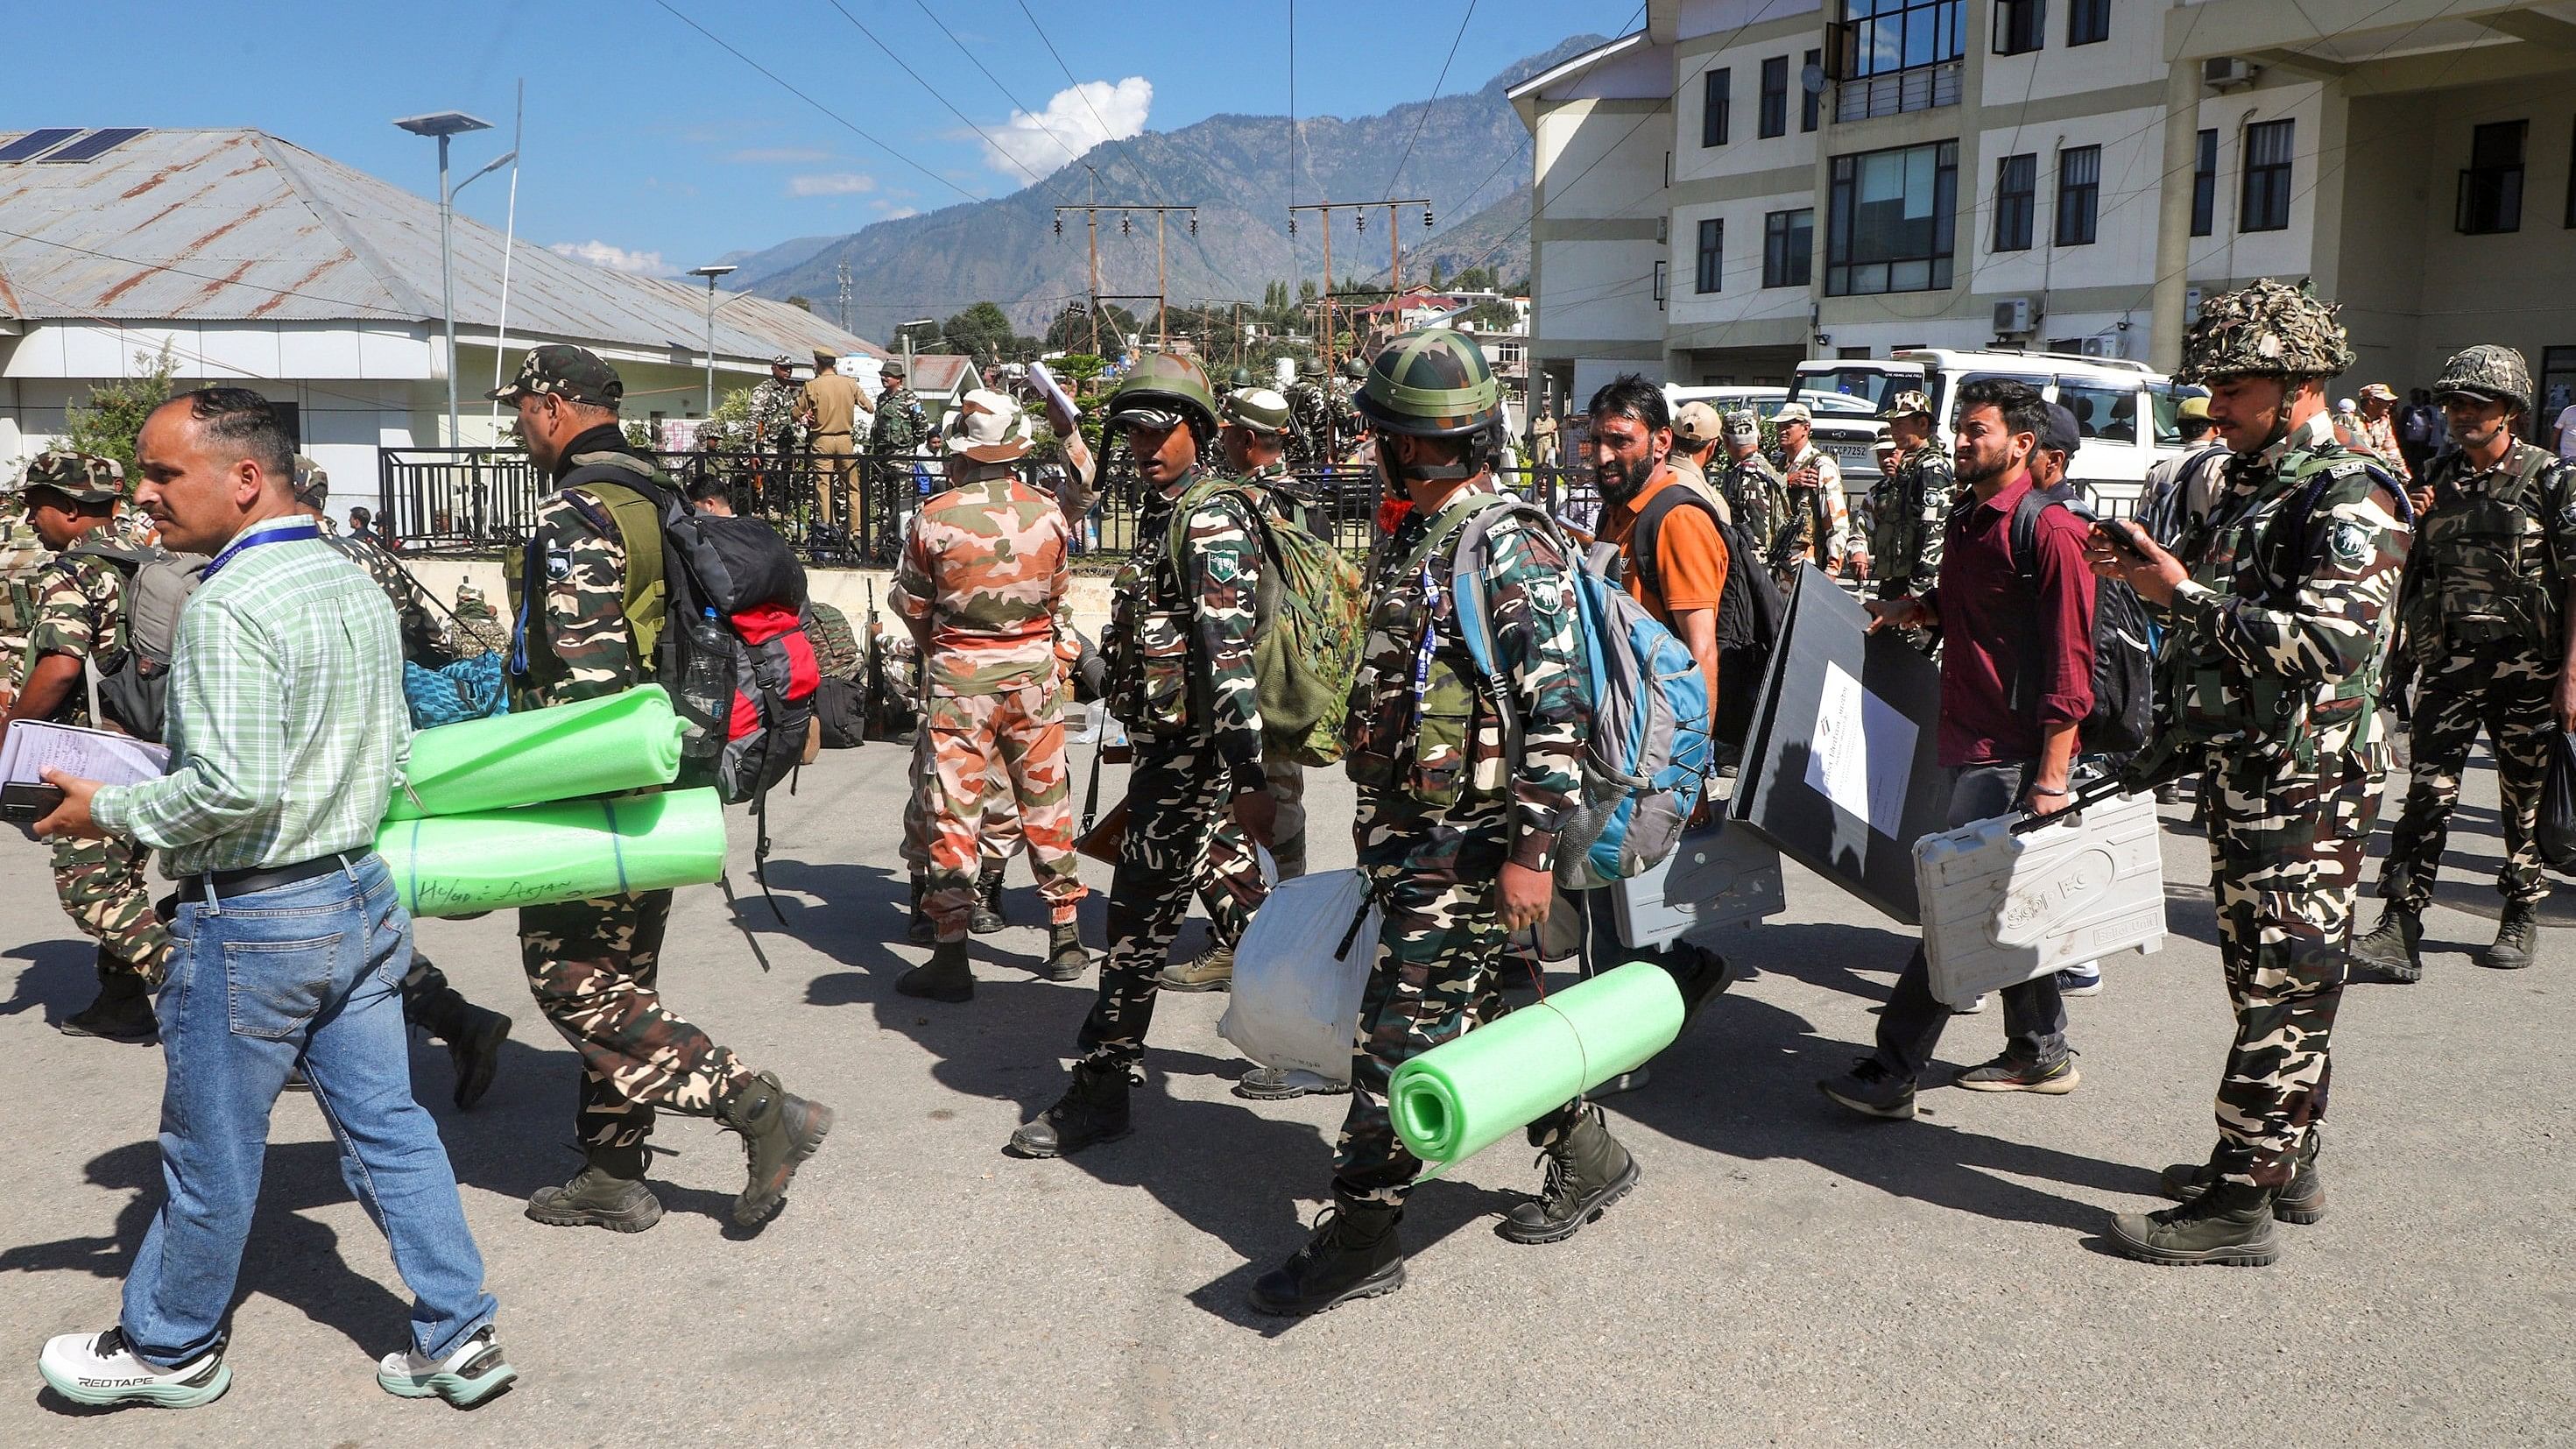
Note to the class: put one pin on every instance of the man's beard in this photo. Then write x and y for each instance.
(1620, 485)
(1981, 467)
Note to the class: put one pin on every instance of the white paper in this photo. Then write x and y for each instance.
(1862, 755)
(34, 747)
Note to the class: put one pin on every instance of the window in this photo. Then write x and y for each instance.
(1895, 56)
(2491, 189)
(2264, 204)
(1789, 247)
(2107, 413)
(1891, 220)
(2020, 26)
(2016, 198)
(1775, 96)
(2079, 194)
(1715, 100)
(1811, 99)
(2204, 185)
(2088, 22)
(1712, 241)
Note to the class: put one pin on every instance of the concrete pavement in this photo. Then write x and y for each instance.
(1784, 1273)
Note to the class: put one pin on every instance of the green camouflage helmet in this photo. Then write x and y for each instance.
(2487, 371)
(1242, 378)
(1310, 367)
(1354, 369)
(81, 477)
(1257, 410)
(1431, 383)
(2268, 329)
(1166, 383)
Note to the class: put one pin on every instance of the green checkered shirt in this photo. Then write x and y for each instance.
(287, 727)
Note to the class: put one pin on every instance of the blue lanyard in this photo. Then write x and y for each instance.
(291, 533)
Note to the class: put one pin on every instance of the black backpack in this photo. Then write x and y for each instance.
(2123, 649)
(1749, 612)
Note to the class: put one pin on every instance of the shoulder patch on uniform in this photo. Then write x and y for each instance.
(1221, 566)
(2350, 544)
(2567, 515)
(558, 563)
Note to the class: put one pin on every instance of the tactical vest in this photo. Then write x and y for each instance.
(2263, 548)
(1153, 624)
(1417, 701)
(2481, 572)
(634, 520)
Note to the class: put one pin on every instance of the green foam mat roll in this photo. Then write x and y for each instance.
(1464, 1095)
(458, 865)
(628, 741)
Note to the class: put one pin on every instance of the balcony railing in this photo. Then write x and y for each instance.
(1920, 88)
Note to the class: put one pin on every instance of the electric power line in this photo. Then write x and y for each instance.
(1007, 94)
(1085, 97)
(1437, 82)
(998, 150)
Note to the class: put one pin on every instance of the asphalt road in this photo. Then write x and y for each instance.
(1784, 1273)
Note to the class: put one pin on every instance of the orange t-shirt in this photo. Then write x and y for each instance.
(1690, 559)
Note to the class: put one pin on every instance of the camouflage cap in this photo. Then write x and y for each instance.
(562, 370)
(988, 427)
(311, 484)
(1257, 410)
(2380, 391)
(1431, 382)
(1695, 426)
(2488, 371)
(782, 360)
(81, 477)
(1161, 384)
(1909, 403)
(1743, 425)
(2268, 329)
(1793, 413)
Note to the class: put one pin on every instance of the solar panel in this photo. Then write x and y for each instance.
(35, 143)
(96, 144)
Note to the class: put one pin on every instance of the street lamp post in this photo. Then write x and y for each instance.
(711, 272)
(444, 124)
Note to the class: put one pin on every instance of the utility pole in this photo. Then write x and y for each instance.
(844, 270)
(1091, 211)
(1394, 248)
(1162, 291)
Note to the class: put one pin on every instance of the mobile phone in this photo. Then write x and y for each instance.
(25, 804)
(2117, 535)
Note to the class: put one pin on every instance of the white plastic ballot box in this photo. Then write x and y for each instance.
(2001, 908)
(1715, 876)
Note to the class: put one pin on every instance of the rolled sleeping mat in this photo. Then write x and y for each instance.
(460, 865)
(626, 741)
(1470, 1092)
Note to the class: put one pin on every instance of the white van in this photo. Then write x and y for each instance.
(2124, 411)
(1762, 400)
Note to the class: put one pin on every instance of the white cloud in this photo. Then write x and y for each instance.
(615, 258)
(1041, 142)
(896, 213)
(833, 183)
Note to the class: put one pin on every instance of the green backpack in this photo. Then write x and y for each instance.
(1310, 606)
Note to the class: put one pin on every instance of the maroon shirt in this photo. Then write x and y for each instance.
(1997, 629)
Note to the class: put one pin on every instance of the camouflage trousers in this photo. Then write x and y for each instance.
(998, 836)
(969, 744)
(593, 967)
(2512, 700)
(1438, 952)
(1177, 831)
(2285, 851)
(102, 886)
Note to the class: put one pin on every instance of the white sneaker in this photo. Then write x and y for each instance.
(99, 1368)
(2080, 981)
(472, 1371)
(1973, 1007)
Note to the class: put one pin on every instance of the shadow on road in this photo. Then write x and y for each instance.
(60, 978)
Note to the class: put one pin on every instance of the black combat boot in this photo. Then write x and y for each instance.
(1587, 1170)
(2229, 1223)
(919, 931)
(2393, 952)
(1093, 1109)
(987, 917)
(1067, 958)
(1353, 1254)
(2302, 1202)
(944, 977)
(2517, 936)
(609, 1192)
(473, 1034)
(123, 1011)
(779, 1131)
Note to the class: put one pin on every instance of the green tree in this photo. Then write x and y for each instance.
(984, 333)
(112, 419)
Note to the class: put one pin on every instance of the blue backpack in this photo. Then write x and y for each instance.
(1651, 748)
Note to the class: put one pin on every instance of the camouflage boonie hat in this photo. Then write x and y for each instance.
(2268, 329)
(80, 477)
(1907, 403)
(311, 483)
(2487, 371)
(574, 374)
(1431, 383)
(1163, 385)
(1257, 410)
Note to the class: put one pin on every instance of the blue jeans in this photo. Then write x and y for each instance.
(311, 970)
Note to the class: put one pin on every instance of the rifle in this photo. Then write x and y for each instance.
(872, 712)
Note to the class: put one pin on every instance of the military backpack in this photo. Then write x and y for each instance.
(1309, 605)
(132, 690)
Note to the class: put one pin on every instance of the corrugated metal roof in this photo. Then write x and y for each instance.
(237, 225)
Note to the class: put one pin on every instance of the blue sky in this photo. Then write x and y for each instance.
(648, 145)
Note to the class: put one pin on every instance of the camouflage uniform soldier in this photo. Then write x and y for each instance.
(984, 582)
(1817, 526)
(1911, 506)
(76, 613)
(773, 410)
(2279, 610)
(478, 629)
(1309, 412)
(593, 964)
(1179, 651)
(1750, 485)
(22, 555)
(2485, 610)
(898, 431)
(1457, 837)
(424, 633)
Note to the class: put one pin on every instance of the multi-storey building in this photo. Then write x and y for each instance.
(1743, 184)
